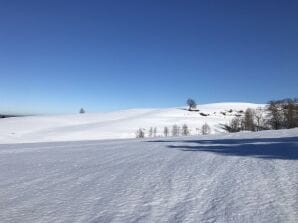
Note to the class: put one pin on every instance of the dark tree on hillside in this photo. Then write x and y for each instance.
(82, 111)
(275, 114)
(291, 113)
(191, 104)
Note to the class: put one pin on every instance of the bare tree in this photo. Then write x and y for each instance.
(235, 125)
(249, 120)
(140, 133)
(283, 113)
(206, 129)
(191, 104)
(260, 121)
(154, 131)
(275, 114)
(291, 113)
(179, 130)
(175, 130)
(166, 131)
(150, 133)
(185, 130)
(82, 111)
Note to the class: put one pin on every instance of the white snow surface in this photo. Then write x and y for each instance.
(243, 177)
(114, 125)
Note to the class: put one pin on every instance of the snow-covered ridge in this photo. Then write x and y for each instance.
(112, 125)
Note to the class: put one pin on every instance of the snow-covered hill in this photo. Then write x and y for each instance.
(242, 177)
(112, 125)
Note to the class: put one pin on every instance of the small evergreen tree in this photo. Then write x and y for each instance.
(82, 111)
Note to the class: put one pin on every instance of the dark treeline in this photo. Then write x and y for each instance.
(278, 114)
(10, 115)
(174, 130)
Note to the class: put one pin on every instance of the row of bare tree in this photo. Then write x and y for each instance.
(278, 114)
(175, 130)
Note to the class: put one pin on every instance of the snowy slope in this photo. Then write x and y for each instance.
(243, 177)
(112, 125)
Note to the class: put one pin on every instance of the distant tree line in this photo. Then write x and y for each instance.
(175, 130)
(10, 116)
(278, 114)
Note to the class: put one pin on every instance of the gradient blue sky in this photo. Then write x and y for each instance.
(58, 56)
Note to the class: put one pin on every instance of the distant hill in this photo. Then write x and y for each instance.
(119, 124)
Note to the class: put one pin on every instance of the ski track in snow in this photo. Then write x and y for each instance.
(247, 177)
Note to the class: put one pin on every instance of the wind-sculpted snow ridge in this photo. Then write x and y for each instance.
(244, 177)
(115, 125)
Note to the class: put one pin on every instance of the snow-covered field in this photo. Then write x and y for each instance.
(115, 125)
(54, 169)
(243, 177)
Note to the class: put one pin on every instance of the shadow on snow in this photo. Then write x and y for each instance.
(265, 148)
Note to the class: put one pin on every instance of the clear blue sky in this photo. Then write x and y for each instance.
(57, 56)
